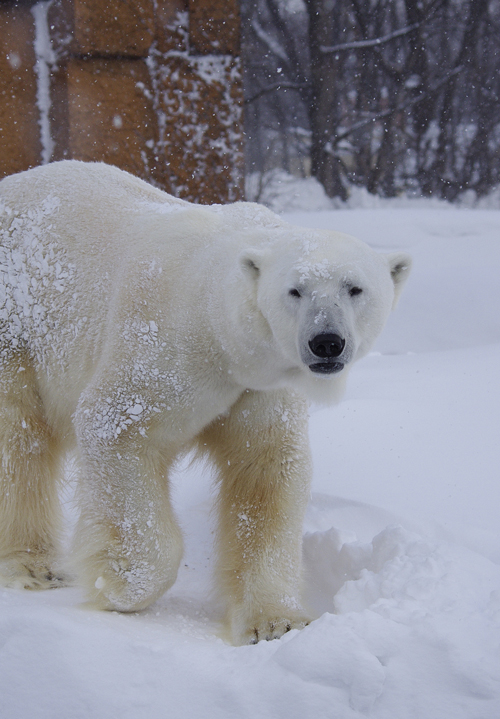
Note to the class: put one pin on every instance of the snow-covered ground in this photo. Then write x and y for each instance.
(401, 543)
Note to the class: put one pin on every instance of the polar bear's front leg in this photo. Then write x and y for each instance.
(262, 454)
(128, 544)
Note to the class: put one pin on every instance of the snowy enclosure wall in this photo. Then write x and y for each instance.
(153, 87)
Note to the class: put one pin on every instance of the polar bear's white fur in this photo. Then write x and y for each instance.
(136, 326)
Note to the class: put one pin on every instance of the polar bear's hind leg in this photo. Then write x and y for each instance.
(30, 516)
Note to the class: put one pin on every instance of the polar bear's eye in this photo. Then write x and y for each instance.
(355, 291)
(294, 292)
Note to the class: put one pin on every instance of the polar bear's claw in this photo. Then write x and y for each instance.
(275, 629)
(29, 571)
(270, 628)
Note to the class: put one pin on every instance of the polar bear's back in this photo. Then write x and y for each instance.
(87, 181)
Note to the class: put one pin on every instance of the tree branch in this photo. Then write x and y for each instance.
(357, 44)
(276, 86)
(268, 40)
(398, 108)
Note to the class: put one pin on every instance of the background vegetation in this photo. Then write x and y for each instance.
(391, 95)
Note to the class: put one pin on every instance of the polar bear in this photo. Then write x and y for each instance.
(134, 327)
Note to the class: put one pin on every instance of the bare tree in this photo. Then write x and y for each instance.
(395, 94)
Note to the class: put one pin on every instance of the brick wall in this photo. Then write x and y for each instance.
(20, 145)
(150, 86)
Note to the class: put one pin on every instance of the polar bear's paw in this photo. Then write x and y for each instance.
(115, 582)
(125, 571)
(117, 579)
(266, 625)
(30, 570)
(274, 628)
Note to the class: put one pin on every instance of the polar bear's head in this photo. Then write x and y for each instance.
(325, 297)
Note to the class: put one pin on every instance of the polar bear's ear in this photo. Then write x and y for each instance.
(251, 261)
(399, 266)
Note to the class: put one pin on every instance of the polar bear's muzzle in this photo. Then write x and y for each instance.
(328, 347)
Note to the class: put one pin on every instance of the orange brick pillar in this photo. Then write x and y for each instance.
(199, 99)
(101, 106)
(20, 145)
(152, 87)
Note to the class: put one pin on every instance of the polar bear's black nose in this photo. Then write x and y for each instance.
(327, 345)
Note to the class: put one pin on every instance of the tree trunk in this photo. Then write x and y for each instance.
(324, 27)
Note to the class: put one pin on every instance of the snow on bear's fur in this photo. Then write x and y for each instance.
(135, 326)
